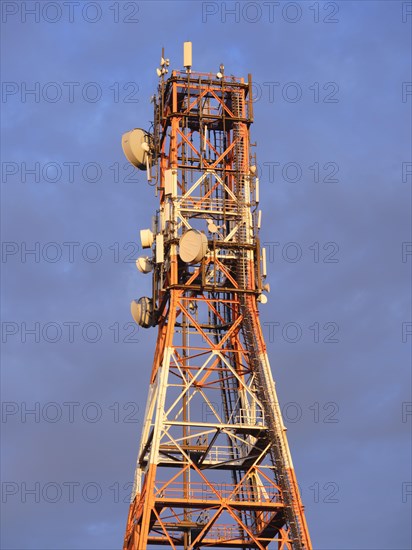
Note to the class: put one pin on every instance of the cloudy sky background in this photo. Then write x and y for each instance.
(328, 95)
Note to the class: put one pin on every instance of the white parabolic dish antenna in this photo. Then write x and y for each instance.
(142, 311)
(192, 246)
(135, 147)
(143, 264)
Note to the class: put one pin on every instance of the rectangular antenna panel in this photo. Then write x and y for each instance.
(187, 54)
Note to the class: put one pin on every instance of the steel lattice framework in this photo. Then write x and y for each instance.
(214, 468)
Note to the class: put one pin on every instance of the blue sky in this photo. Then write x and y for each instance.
(333, 133)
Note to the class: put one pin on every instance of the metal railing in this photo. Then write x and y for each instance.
(201, 491)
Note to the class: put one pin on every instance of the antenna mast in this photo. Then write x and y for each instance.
(214, 468)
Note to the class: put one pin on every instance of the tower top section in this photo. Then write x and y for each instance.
(204, 106)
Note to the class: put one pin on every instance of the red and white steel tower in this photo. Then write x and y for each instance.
(214, 468)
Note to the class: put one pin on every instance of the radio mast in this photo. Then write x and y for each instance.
(214, 468)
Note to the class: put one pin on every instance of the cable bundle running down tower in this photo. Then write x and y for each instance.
(213, 468)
